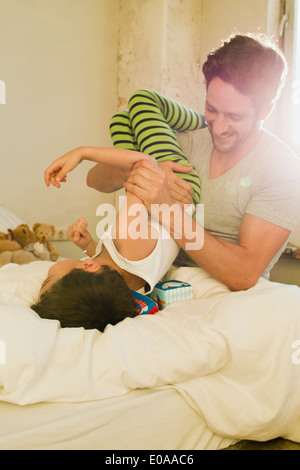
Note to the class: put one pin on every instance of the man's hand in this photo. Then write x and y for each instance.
(180, 190)
(159, 185)
(149, 183)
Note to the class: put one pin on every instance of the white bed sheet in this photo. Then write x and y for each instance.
(140, 420)
(226, 356)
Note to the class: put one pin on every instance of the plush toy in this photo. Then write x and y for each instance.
(44, 233)
(16, 239)
(144, 305)
(7, 243)
(165, 293)
(29, 247)
(23, 235)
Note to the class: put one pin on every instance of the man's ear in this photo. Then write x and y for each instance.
(90, 265)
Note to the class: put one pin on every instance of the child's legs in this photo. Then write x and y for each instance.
(152, 117)
(121, 131)
(135, 239)
(152, 132)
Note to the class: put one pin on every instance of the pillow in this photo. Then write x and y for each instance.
(8, 219)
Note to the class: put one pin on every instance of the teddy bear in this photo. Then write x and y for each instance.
(44, 233)
(29, 248)
(7, 243)
(16, 239)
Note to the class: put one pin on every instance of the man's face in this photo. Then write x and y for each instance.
(231, 117)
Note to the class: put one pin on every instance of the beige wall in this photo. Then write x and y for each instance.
(159, 49)
(59, 64)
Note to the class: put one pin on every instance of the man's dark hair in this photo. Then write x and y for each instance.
(252, 65)
(88, 300)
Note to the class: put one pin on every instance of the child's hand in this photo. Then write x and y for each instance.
(57, 171)
(78, 233)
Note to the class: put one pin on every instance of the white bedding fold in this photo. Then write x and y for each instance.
(47, 363)
(256, 395)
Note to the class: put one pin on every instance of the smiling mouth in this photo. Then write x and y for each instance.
(223, 138)
(224, 142)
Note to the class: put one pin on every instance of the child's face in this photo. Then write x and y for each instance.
(58, 270)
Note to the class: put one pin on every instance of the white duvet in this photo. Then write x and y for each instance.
(234, 357)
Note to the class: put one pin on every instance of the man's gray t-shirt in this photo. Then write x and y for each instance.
(265, 183)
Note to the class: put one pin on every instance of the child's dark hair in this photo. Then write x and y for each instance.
(88, 300)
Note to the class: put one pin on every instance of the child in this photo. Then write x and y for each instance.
(86, 293)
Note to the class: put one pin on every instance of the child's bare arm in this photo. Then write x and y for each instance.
(56, 173)
(81, 237)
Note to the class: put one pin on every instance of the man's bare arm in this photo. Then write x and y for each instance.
(106, 178)
(238, 266)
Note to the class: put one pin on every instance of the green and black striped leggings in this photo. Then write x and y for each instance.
(150, 126)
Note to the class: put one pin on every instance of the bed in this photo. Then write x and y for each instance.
(201, 374)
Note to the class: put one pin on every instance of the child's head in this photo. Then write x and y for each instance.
(86, 299)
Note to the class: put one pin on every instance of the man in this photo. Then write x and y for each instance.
(250, 181)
